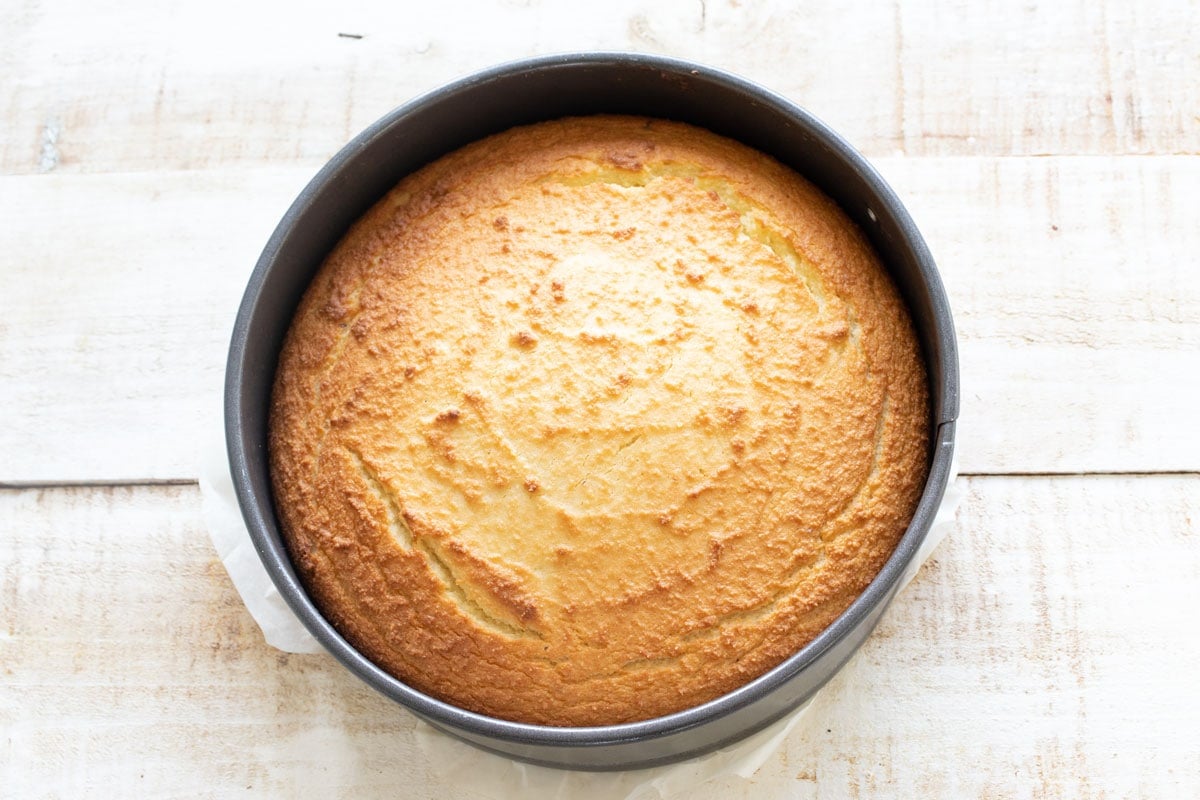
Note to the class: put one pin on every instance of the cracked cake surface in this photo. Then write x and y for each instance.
(595, 420)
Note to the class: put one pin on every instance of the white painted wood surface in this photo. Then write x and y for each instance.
(1047, 650)
(180, 85)
(1075, 282)
(1050, 153)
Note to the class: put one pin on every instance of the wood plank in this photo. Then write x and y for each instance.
(116, 315)
(1071, 77)
(1044, 651)
(176, 86)
(1075, 284)
(1074, 280)
(131, 667)
(1038, 654)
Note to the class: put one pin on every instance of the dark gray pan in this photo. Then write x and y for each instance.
(525, 92)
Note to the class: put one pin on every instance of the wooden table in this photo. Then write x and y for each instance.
(1051, 154)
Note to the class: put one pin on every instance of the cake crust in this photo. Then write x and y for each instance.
(596, 420)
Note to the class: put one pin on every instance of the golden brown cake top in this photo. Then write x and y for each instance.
(596, 420)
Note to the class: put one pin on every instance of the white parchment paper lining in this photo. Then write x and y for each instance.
(466, 768)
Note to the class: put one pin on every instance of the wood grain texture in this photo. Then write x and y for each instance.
(116, 315)
(1051, 155)
(131, 667)
(1045, 651)
(180, 86)
(1075, 283)
(1037, 655)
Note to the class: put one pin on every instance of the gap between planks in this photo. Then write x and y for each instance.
(97, 484)
(156, 482)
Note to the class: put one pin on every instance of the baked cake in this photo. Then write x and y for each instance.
(596, 420)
